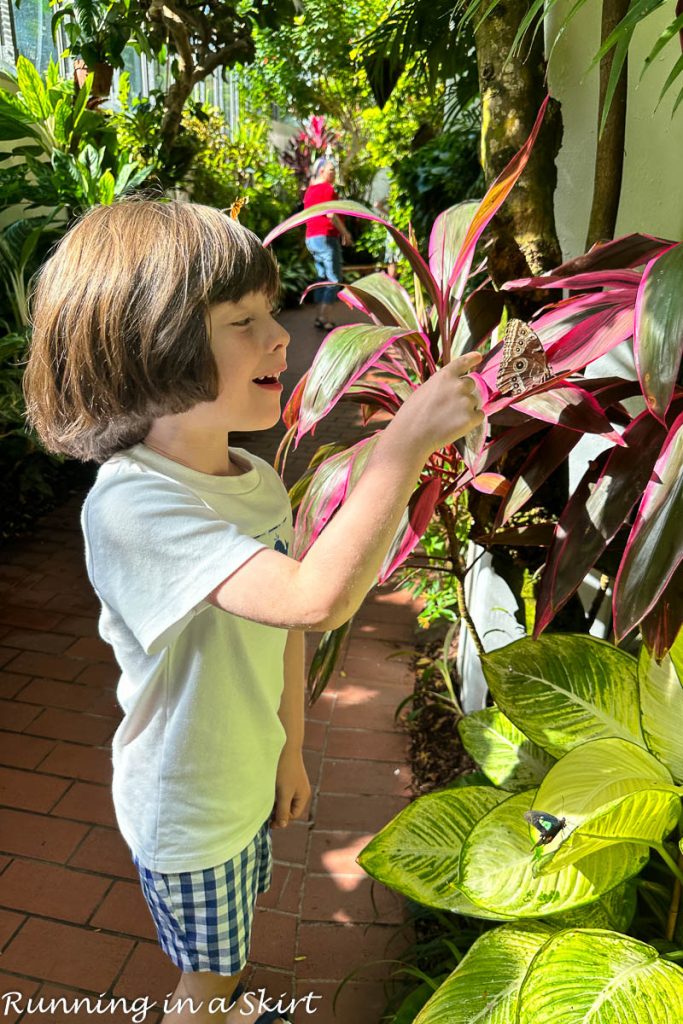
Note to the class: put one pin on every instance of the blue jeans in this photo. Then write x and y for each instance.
(327, 256)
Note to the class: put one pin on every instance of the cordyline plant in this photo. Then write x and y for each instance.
(314, 140)
(626, 289)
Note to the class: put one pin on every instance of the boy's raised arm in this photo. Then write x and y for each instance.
(327, 587)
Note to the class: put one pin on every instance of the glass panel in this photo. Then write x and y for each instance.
(132, 61)
(32, 28)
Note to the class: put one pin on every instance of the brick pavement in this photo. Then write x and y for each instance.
(72, 918)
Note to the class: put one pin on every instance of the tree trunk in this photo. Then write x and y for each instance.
(525, 239)
(609, 156)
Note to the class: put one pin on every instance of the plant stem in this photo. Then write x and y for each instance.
(675, 904)
(669, 861)
(458, 572)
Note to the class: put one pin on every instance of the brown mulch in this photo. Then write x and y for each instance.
(437, 756)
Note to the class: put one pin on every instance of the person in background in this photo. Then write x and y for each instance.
(323, 236)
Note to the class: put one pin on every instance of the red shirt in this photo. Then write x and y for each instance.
(320, 193)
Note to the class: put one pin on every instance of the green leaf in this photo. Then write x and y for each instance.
(661, 705)
(676, 70)
(82, 97)
(52, 80)
(615, 72)
(504, 753)
(32, 89)
(418, 852)
(62, 118)
(597, 977)
(497, 867)
(105, 188)
(670, 31)
(608, 790)
(658, 335)
(563, 689)
(16, 121)
(615, 910)
(484, 987)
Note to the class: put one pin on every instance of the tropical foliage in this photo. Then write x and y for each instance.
(588, 734)
(379, 363)
(70, 158)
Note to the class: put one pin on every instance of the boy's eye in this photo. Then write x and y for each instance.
(242, 323)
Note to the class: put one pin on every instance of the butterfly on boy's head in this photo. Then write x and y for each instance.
(523, 363)
(236, 207)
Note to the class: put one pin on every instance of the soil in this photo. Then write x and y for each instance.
(437, 756)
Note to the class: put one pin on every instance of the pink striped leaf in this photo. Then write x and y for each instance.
(569, 406)
(490, 204)
(499, 447)
(415, 521)
(594, 514)
(627, 251)
(386, 299)
(655, 545)
(446, 240)
(350, 209)
(344, 356)
(312, 287)
(591, 339)
(326, 493)
(541, 462)
(557, 319)
(353, 301)
(658, 336)
(596, 279)
(290, 413)
(662, 625)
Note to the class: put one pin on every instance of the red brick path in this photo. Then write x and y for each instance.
(72, 918)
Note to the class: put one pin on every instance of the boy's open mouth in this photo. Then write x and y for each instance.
(268, 382)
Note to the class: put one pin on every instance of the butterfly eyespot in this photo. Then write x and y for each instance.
(523, 361)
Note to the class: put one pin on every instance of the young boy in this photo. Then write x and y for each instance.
(154, 338)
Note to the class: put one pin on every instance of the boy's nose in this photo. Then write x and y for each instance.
(283, 336)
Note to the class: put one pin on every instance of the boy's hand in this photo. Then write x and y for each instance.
(292, 788)
(444, 408)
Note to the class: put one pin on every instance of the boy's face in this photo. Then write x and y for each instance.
(248, 343)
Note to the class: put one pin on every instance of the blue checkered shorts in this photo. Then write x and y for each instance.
(203, 918)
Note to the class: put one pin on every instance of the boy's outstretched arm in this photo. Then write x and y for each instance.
(328, 586)
(292, 788)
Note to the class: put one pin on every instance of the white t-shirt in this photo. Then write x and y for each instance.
(196, 754)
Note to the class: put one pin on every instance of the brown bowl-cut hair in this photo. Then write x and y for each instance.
(118, 315)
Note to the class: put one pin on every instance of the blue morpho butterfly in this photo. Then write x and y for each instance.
(547, 824)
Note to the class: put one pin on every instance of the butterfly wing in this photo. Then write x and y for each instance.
(547, 824)
(236, 207)
(523, 363)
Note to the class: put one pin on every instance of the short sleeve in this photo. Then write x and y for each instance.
(154, 551)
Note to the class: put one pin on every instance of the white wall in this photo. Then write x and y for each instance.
(652, 194)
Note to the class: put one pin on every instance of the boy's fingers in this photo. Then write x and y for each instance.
(463, 364)
(281, 812)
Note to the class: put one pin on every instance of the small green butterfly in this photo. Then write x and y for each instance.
(547, 824)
